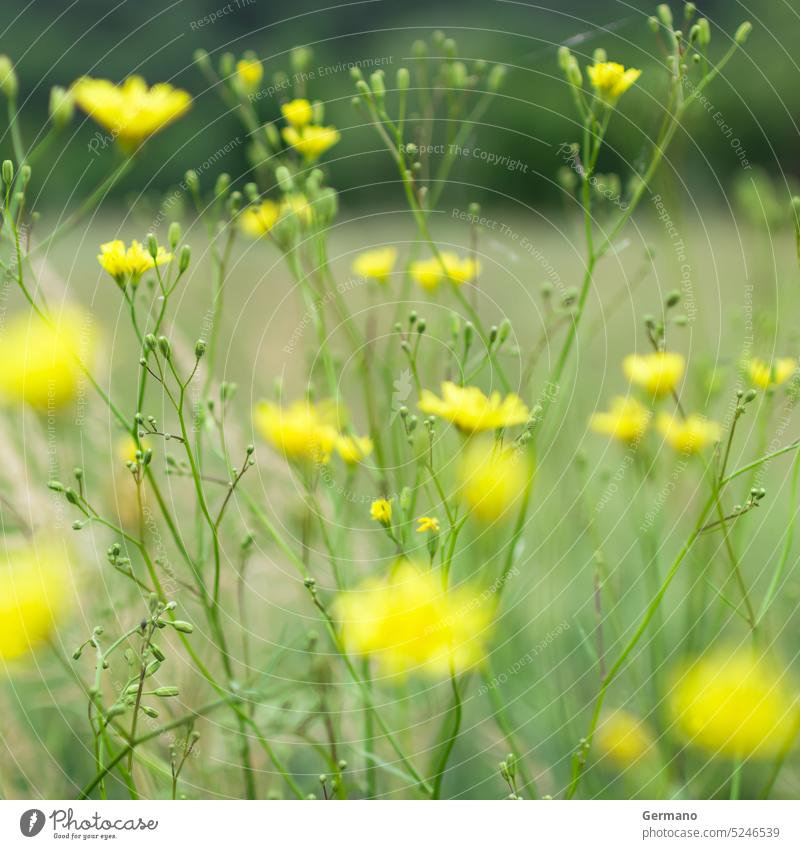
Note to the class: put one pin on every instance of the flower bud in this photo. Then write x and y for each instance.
(743, 33)
(174, 234)
(152, 245)
(8, 171)
(403, 79)
(377, 84)
(164, 347)
(665, 15)
(166, 692)
(183, 627)
(284, 179)
(185, 258)
(8, 78)
(703, 32)
(300, 59)
(62, 106)
(496, 77)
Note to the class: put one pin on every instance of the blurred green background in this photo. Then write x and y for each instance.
(758, 97)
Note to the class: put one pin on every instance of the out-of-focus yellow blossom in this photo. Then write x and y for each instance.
(491, 478)
(301, 431)
(689, 435)
(311, 141)
(735, 704)
(381, 510)
(250, 72)
(377, 264)
(34, 589)
(427, 523)
(122, 263)
(353, 449)
(623, 739)
(298, 112)
(765, 375)
(39, 360)
(429, 272)
(627, 420)
(471, 411)
(412, 624)
(131, 112)
(658, 373)
(612, 80)
(259, 218)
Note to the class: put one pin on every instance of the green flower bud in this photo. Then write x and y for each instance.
(377, 84)
(166, 692)
(8, 78)
(743, 33)
(8, 171)
(62, 106)
(301, 58)
(284, 179)
(665, 15)
(185, 258)
(199, 348)
(703, 32)
(183, 627)
(496, 77)
(165, 347)
(174, 234)
(403, 79)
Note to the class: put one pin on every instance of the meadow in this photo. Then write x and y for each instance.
(307, 497)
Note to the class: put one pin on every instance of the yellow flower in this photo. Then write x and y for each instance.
(311, 141)
(298, 112)
(353, 449)
(250, 72)
(765, 375)
(377, 264)
(381, 510)
(623, 738)
(132, 262)
(627, 420)
(491, 478)
(429, 273)
(658, 373)
(131, 112)
(39, 360)
(259, 219)
(689, 435)
(302, 431)
(427, 523)
(412, 624)
(34, 588)
(735, 704)
(471, 411)
(612, 80)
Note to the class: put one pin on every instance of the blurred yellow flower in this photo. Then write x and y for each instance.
(298, 112)
(302, 431)
(259, 218)
(311, 141)
(123, 263)
(34, 588)
(627, 420)
(427, 523)
(429, 273)
(471, 411)
(381, 510)
(131, 112)
(689, 435)
(765, 375)
(249, 72)
(623, 739)
(658, 373)
(412, 624)
(735, 704)
(491, 478)
(377, 264)
(353, 449)
(612, 80)
(39, 360)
